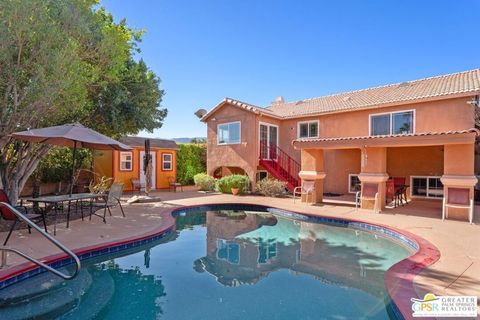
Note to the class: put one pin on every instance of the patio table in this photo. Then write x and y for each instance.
(58, 200)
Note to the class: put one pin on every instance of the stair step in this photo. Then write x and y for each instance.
(38, 303)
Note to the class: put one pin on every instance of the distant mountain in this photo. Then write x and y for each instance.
(187, 140)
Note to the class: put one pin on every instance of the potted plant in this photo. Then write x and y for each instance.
(234, 184)
(235, 191)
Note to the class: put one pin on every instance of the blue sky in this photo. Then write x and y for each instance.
(256, 50)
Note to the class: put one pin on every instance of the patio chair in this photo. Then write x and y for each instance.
(172, 181)
(307, 188)
(137, 185)
(458, 198)
(390, 191)
(112, 200)
(7, 214)
(369, 191)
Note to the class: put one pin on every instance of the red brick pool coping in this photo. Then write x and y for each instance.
(398, 278)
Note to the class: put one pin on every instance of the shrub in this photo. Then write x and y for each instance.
(191, 159)
(271, 187)
(226, 183)
(204, 181)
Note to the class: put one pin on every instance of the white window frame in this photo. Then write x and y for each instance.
(229, 123)
(308, 122)
(261, 171)
(170, 161)
(350, 175)
(391, 120)
(121, 160)
(427, 188)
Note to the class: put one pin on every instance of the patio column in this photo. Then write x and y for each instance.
(459, 171)
(312, 169)
(374, 171)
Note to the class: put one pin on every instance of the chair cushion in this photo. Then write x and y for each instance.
(459, 196)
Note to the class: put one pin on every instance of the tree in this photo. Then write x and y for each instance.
(65, 61)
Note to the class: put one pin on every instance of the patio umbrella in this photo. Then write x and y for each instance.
(73, 135)
(147, 167)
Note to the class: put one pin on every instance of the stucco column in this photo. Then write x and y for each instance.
(459, 171)
(374, 170)
(312, 169)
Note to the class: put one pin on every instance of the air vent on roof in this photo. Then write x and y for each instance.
(404, 84)
(298, 102)
(347, 98)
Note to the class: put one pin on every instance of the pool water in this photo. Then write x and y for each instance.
(224, 264)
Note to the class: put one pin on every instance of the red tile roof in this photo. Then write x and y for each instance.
(420, 134)
(461, 83)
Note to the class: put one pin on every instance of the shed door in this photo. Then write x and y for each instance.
(154, 169)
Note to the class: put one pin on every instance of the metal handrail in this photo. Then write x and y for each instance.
(49, 238)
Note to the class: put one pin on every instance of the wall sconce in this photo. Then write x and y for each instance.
(214, 119)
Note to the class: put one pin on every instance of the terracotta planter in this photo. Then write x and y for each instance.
(235, 191)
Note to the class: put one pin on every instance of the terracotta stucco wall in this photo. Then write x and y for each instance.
(441, 115)
(338, 165)
(242, 155)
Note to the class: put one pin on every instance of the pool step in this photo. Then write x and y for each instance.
(40, 304)
(95, 299)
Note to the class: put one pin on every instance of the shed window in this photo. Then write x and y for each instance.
(167, 160)
(126, 159)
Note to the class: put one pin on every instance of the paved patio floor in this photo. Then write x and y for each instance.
(457, 271)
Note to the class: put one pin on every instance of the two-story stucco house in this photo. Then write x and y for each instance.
(422, 130)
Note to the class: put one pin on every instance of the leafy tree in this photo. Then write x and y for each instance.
(66, 61)
(191, 160)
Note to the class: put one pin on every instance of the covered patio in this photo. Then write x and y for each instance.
(436, 168)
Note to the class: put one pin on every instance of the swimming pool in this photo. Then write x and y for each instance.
(227, 262)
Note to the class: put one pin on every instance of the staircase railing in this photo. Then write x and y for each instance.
(4, 250)
(280, 161)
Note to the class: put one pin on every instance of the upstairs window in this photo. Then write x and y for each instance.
(228, 133)
(401, 122)
(126, 159)
(308, 129)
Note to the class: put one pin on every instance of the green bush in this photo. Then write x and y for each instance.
(226, 183)
(204, 181)
(191, 160)
(57, 164)
(271, 187)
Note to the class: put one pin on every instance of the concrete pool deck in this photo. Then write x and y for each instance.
(457, 272)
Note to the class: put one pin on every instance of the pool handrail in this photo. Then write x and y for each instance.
(58, 244)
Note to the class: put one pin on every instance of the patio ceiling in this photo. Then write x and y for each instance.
(400, 140)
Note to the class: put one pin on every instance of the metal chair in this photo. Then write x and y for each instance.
(458, 198)
(307, 188)
(111, 200)
(369, 191)
(174, 184)
(8, 215)
(137, 185)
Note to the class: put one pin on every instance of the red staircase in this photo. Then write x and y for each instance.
(279, 164)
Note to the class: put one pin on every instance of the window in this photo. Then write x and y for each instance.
(126, 159)
(261, 175)
(426, 186)
(308, 129)
(228, 251)
(392, 123)
(167, 159)
(267, 251)
(228, 133)
(353, 183)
